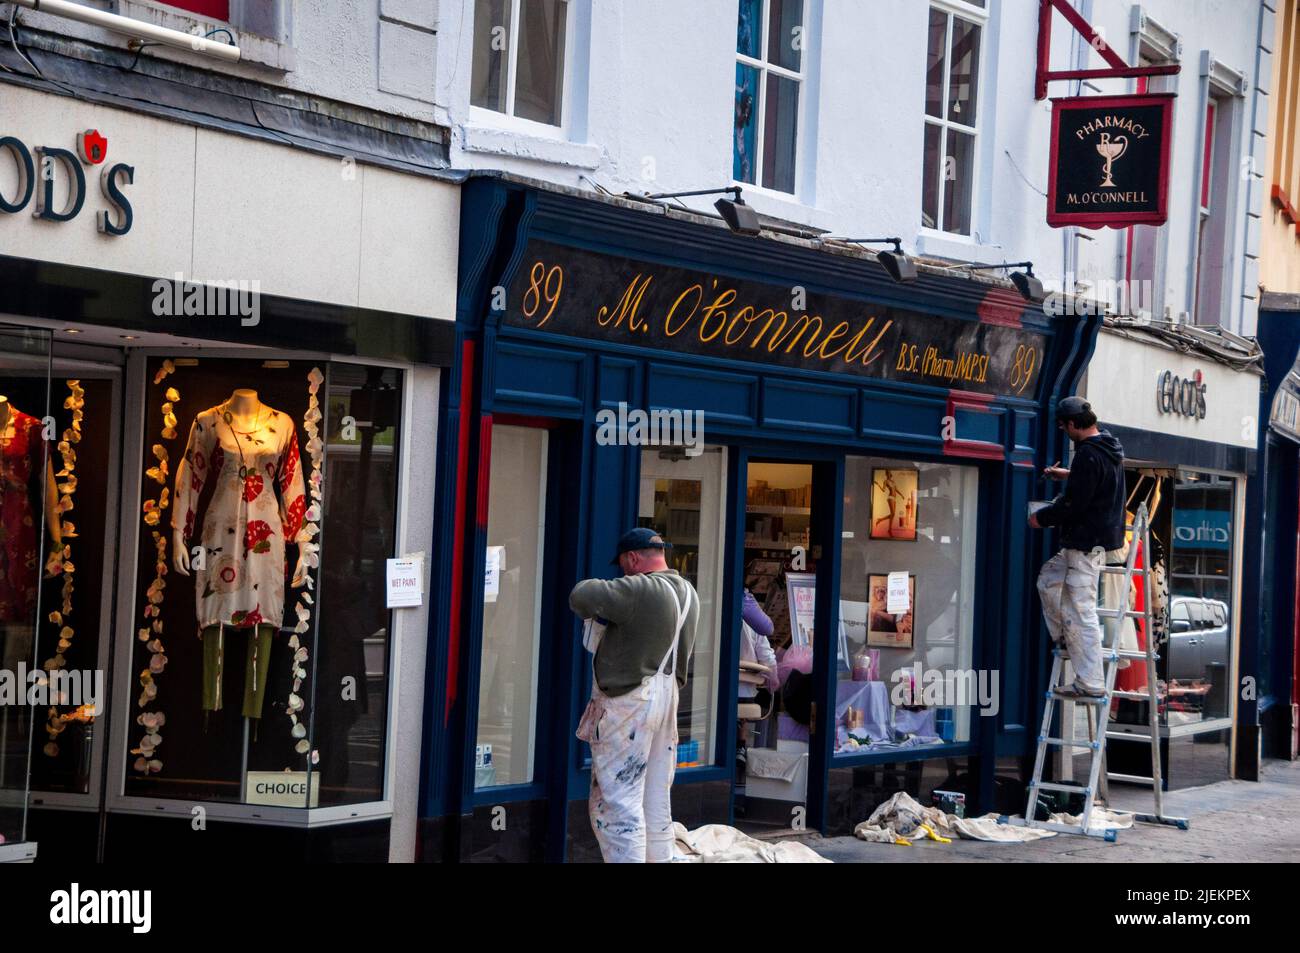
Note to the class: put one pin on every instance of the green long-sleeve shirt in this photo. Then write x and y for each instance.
(639, 614)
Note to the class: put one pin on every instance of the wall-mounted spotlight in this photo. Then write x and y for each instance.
(740, 218)
(1030, 288)
(900, 267)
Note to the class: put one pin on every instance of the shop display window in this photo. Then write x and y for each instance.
(907, 582)
(30, 525)
(1193, 515)
(76, 593)
(263, 502)
(1200, 599)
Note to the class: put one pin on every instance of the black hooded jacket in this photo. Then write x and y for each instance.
(1090, 511)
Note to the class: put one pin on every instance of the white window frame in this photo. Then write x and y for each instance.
(979, 17)
(800, 76)
(485, 116)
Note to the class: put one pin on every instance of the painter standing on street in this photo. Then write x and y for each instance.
(1090, 516)
(640, 664)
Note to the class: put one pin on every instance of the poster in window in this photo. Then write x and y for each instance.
(893, 504)
(884, 629)
(801, 590)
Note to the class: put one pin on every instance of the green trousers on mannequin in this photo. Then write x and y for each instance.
(256, 666)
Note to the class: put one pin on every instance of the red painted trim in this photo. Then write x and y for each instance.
(1111, 219)
(1209, 151)
(1094, 39)
(458, 530)
(1044, 49)
(1117, 68)
(215, 9)
(1283, 201)
(1127, 72)
(1001, 306)
(982, 449)
(484, 470)
(524, 420)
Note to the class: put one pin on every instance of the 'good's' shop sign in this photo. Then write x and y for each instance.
(1109, 165)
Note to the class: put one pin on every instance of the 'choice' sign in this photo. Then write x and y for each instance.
(39, 169)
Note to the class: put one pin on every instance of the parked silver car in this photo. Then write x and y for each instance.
(1198, 638)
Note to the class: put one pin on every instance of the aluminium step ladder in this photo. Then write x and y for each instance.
(1099, 708)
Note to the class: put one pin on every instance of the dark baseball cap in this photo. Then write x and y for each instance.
(1072, 407)
(643, 537)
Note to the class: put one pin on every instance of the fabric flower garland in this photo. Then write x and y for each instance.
(151, 632)
(60, 560)
(309, 548)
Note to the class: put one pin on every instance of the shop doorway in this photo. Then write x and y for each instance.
(776, 681)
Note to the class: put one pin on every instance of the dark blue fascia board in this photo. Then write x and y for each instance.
(604, 227)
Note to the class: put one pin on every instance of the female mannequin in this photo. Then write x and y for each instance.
(23, 451)
(249, 450)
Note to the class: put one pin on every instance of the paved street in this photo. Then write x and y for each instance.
(1232, 821)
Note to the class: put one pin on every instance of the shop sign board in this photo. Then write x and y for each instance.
(1109, 161)
(618, 300)
(38, 170)
(1184, 396)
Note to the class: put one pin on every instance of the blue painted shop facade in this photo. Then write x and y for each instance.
(853, 427)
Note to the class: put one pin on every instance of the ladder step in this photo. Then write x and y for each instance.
(1121, 570)
(1117, 613)
(1070, 744)
(1081, 699)
(1130, 778)
(1051, 786)
(1135, 696)
(1123, 653)
(1126, 736)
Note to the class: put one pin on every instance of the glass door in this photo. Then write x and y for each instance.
(506, 743)
(776, 715)
(681, 499)
(29, 526)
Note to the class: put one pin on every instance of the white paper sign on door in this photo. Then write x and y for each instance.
(405, 583)
(496, 557)
(898, 600)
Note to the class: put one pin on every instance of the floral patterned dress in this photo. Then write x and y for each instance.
(22, 453)
(256, 507)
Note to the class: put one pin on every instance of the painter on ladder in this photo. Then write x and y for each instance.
(641, 629)
(1090, 516)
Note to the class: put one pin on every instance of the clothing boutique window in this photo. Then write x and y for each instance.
(770, 45)
(512, 594)
(952, 117)
(681, 499)
(268, 502)
(519, 58)
(30, 529)
(907, 606)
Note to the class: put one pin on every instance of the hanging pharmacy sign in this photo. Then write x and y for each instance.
(1109, 165)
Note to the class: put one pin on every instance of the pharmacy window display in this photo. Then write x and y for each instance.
(261, 635)
(906, 606)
